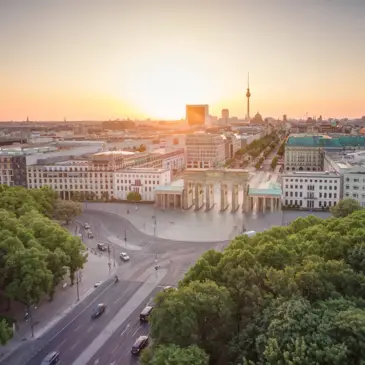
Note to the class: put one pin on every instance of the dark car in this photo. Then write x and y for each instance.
(99, 310)
(90, 235)
(145, 313)
(51, 359)
(139, 345)
(101, 246)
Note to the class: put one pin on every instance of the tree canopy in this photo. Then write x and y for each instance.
(35, 252)
(345, 207)
(290, 295)
(133, 196)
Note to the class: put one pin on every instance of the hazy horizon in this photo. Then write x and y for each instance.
(93, 60)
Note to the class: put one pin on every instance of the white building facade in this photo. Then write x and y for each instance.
(311, 190)
(351, 167)
(140, 180)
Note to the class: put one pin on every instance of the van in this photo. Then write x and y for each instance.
(143, 317)
(250, 233)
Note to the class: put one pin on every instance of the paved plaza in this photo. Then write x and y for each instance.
(197, 226)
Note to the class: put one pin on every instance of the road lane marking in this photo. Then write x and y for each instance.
(134, 333)
(125, 329)
(142, 293)
(75, 344)
(62, 342)
(116, 348)
(117, 300)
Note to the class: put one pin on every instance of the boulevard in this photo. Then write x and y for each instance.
(108, 339)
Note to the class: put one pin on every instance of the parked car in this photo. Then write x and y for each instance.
(167, 288)
(143, 317)
(101, 246)
(124, 257)
(52, 358)
(86, 226)
(99, 310)
(139, 345)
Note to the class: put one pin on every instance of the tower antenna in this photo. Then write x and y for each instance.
(248, 95)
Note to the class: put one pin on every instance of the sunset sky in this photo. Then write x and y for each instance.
(102, 59)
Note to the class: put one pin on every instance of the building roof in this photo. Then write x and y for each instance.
(108, 153)
(325, 141)
(264, 184)
(176, 186)
(318, 174)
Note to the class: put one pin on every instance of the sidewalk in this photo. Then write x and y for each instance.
(47, 313)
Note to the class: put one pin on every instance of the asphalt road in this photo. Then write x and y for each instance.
(83, 329)
(73, 335)
(117, 351)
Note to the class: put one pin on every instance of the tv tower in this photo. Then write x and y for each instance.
(248, 95)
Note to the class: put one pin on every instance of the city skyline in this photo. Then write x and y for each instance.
(148, 59)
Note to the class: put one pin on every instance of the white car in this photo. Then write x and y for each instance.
(124, 257)
(86, 226)
(97, 284)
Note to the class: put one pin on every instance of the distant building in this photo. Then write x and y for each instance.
(118, 125)
(306, 152)
(13, 170)
(197, 115)
(205, 150)
(225, 114)
(94, 178)
(351, 168)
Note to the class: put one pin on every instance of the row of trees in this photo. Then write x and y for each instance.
(35, 251)
(289, 295)
(274, 162)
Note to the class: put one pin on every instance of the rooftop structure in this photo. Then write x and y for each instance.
(325, 141)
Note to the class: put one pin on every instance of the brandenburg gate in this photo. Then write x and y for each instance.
(197, 190)
(199, 184)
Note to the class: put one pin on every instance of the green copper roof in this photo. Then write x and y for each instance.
(270, 189)
(325, 142)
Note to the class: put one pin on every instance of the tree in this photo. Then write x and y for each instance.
(175, 355)
(274, 162)
(65, 210)
(198, 313)
(29, 277)
(142, 148)
(292, 295)
(345, 207)
(134, 196)
(6, 333)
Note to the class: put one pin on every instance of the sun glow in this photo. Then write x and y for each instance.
(162, 88)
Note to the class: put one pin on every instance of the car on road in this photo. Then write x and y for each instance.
(52, 358)
(97, 284)
(99, 310)
(139, 345)
(101, 246)
(167, 288)
(124, 257)
(86, 226)
(143, 317)
(90, 235)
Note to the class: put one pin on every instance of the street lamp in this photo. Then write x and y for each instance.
(78, 280)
